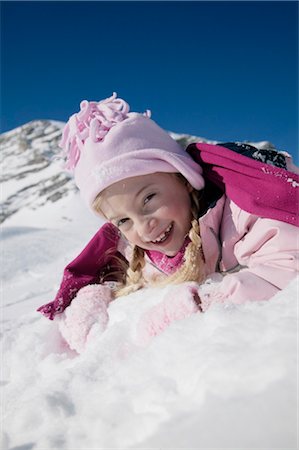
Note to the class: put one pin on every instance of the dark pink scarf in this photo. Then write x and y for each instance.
(258, 188)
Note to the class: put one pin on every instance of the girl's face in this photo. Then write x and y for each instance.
(151, 211)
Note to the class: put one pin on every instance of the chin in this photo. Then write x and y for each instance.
(171, 253)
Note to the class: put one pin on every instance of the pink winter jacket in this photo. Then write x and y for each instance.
(257, 256)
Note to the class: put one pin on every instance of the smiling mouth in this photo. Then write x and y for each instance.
(163, 236)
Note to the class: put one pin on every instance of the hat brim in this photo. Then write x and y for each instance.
(140, 162)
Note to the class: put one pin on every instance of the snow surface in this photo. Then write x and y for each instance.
(225, 379)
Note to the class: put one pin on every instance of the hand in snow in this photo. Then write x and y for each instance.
(181, 301)
(88, 308)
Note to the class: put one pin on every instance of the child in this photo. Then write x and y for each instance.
(225, 212)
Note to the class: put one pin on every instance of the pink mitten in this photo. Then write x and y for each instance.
(88, 308)
(181, 301)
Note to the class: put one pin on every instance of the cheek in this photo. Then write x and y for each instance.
(130, 236)
(165, 210)
(183, 213)
(180, 205)
(126, 234)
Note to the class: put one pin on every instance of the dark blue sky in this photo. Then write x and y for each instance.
(221, 70)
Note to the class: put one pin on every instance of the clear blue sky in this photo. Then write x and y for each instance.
(222, 70)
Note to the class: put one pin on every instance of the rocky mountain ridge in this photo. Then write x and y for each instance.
(30, 174)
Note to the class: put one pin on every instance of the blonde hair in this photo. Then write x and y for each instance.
(192, 268)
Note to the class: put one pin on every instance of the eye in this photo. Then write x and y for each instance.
(121, 222)
(148, 198)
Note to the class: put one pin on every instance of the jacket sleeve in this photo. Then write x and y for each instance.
(94, 263)
(267, 259)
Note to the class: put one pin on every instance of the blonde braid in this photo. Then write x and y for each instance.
(134, 278)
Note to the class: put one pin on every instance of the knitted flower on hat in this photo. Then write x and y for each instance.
(94, 120)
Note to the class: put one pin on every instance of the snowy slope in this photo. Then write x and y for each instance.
(223, 379)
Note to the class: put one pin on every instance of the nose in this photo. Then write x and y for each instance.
(145, 227)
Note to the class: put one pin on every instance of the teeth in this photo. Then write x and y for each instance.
(163, 235)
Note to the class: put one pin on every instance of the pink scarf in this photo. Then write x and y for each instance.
(168, 264)
(257, 187)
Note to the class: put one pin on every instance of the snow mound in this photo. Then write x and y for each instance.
(223, 379)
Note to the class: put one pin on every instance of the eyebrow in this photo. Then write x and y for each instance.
(144, 189)
(137, 195)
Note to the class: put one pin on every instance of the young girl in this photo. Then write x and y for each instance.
(226, 212)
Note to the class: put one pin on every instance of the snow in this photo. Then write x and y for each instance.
(223, 379)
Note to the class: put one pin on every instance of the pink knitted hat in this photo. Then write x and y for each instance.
(104, 143)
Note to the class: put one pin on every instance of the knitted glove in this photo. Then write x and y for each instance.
(181, 301)
(87, 309)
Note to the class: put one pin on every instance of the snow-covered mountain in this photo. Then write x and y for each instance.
(30, 176)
